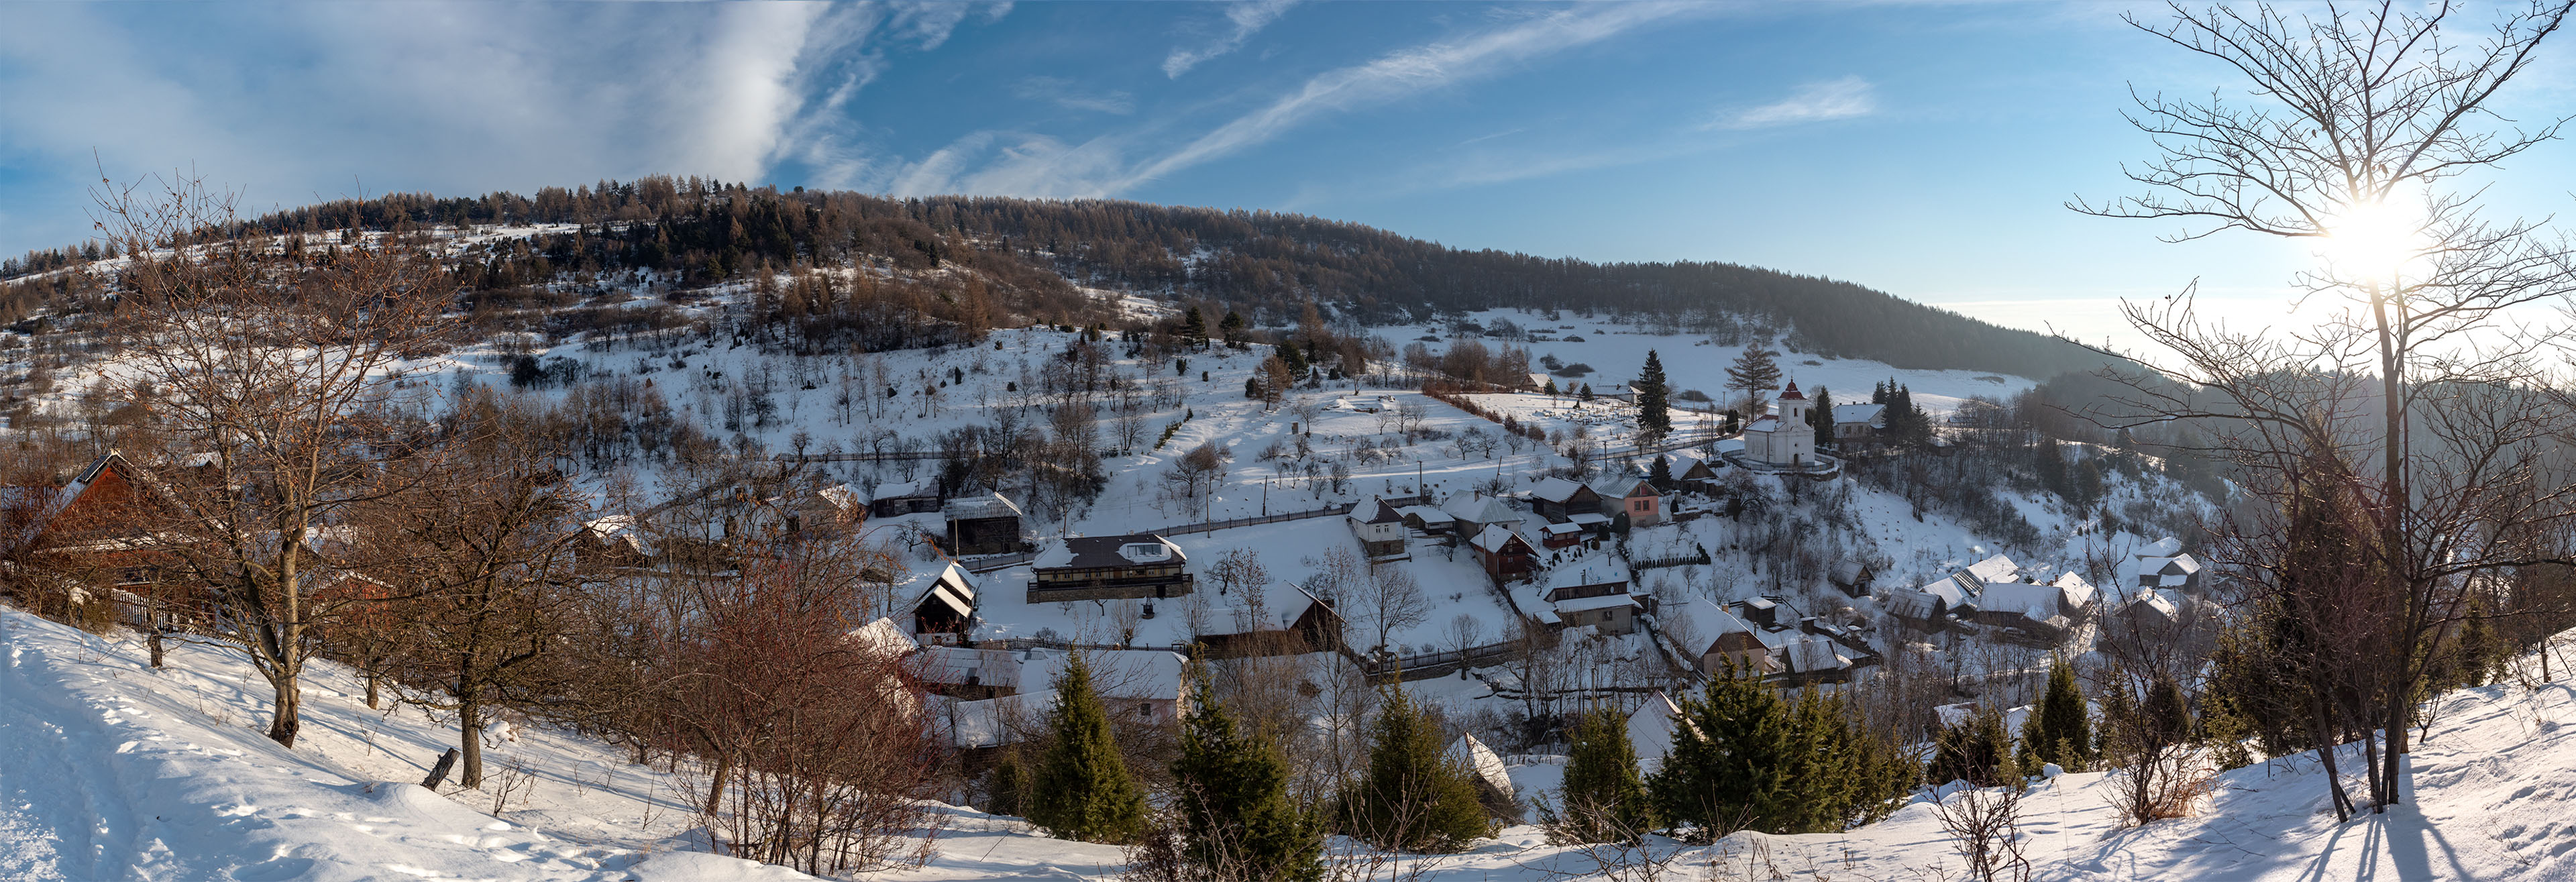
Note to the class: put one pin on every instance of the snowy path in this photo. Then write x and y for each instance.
(60, 818)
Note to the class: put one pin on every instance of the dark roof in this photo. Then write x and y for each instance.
(1091, 552)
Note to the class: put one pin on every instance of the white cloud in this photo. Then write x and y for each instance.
(1063, 93)
(1843, 98)
(1413, 71)
(1243, 19)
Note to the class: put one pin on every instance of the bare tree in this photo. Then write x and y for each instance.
(1391, 600)
(1985, 826)
(1465, 632)
(276, 360)
(2360, 118)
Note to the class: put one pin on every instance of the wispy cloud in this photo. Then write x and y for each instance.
(1243, 19)
(1064, 93)
(1410, 72)
(1843, 98)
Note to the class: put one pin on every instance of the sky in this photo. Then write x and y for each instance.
(1922, 148)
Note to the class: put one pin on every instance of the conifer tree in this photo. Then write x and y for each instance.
(1412, 797)
(1661, 473)
(1603, 798)
(1975, 750)
(1822, 417)
(1729, 766)
(1237, 821)
(1654, 413)
(1756, 372)
(2061, 730)
(1193, 329)
(1082, 789)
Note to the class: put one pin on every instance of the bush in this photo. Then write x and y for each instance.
(1412, 797)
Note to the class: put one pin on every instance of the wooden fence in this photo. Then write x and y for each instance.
(1212, 526)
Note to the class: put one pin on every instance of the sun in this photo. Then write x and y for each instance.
(2375, 240)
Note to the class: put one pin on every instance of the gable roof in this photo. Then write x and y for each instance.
(1480, 508)
(988, 505)
(1495, 537)
(1994, 569)
(1483, 761)
(2073, 591)
(1859, 413)
(1623, 486)
(1378, 513)
(1557, 490)
(2034, 602)
(1704, 621)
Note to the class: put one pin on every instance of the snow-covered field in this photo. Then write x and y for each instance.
(111, 770)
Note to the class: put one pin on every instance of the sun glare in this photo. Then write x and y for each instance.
(2374, 239)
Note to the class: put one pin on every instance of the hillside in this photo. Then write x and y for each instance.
(113, 770)
(694, 233)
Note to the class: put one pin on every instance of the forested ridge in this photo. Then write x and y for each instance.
(1266, 264)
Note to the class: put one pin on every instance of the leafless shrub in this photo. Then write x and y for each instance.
(1984, 824)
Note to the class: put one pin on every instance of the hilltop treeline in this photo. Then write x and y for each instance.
(1267, 264)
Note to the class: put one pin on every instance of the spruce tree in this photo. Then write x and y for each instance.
(1603, 798)
(1822, 417)
(2061, 730)
(1975, 750)
(1661, 473)
(1729, 768)
(1654, 415)
(1082, 789)
(1756, 372)
(1237, 821)
(1412, 797)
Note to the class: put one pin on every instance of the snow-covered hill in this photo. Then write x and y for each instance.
(112, 770)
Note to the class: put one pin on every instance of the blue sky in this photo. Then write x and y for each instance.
(1921, 148)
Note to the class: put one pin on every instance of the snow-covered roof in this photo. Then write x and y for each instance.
(1815, 654)
(2034, 602)
(2165, 547)
(1556, 490)
(1494, 537)
(2167, 572)
(1482, 760)
(986, 723)
(2074, 591)
(958, 666)
(1621, 487)
(1376, 512)
(1765, 423)
(989, 505)
(1567, 528)
(1650, 729)
(1682, 463)
(1115, 673)
(1994, 569)
(1589, 519)
(1428, 514)
(1595, 569)
(1281, 605)
(1845, 414)
(1703, 621)
(882, 636)
(906, 489)
(843, 496)
(1947, 588)
(1480, 508)
(1606, 601)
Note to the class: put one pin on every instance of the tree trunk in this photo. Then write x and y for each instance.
(286, 712)
(469, 716)
(716, 783)
(373, 691)
(2396, 501)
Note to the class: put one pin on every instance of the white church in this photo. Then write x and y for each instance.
(1782, 437)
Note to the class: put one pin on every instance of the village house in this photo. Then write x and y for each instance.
(1381, 531)
(1473, 511)
(1632, 497)
(1782, 436)
(1592, 591)
(1710, 638)
(943, 605)
(1288, 621)
(1140, 565)
(1505, 556)
(1857, 424)
(1493, 779)
(1145, 685)
(904, 497)
(983, 524)
(1558, 499)
(2163, 565)
(2043, 615)
(94, 532)
(1694, 473)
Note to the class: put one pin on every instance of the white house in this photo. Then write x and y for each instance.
(1380, 530)
(1855, 421)
(1782, 437)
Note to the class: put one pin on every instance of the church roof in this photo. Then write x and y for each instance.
(1792, 392)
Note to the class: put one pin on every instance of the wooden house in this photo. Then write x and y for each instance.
(1139, 565)
(1695, 473)
(1505, 556)
(1292, 622)
(1558, 499)
(903, 498)
(984, 524)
